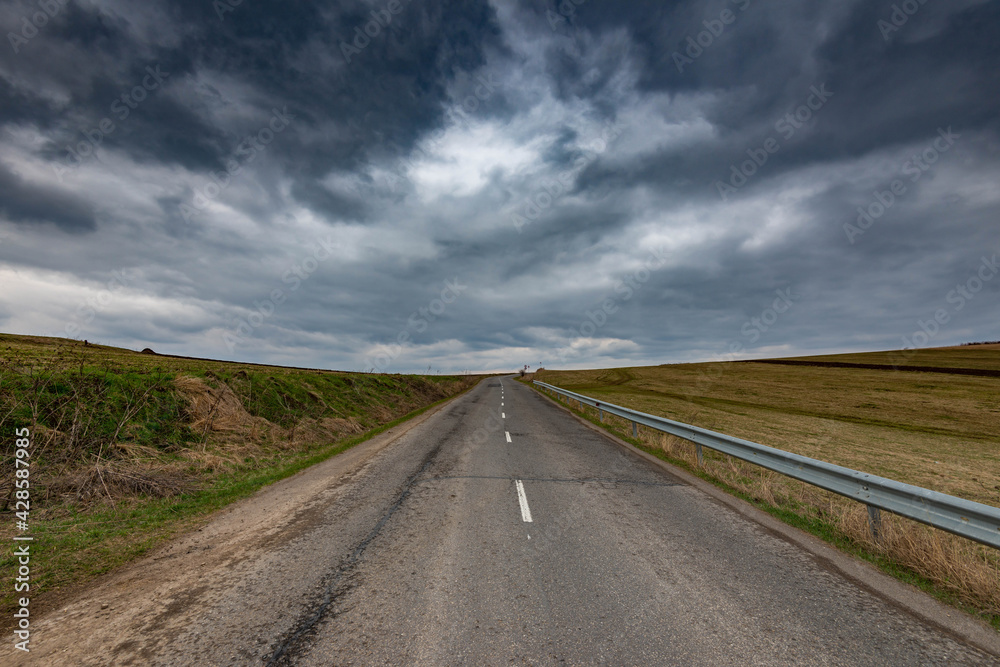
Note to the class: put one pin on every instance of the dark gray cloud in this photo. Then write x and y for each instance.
(41, 205)
(475, 185)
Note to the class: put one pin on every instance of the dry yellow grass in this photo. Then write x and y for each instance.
(212, 408)
(934, 430)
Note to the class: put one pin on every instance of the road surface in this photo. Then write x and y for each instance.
(498, 530)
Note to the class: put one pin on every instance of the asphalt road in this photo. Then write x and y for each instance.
(502, 531)
(619, 565)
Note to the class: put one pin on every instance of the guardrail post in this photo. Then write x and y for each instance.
(874, 521)
(600, 413)
(635, 430)
(701, 456)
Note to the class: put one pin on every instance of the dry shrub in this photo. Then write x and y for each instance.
(137, 453)
(219, 458)
(307, 432)
(316, 396)
(120, 480)
(339, 425)
(46, 438)
(212, 408)
(384, 413)
(230, 436)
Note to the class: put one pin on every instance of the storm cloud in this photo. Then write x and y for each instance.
(476, 186)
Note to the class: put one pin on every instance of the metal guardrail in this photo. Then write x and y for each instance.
(956, 515)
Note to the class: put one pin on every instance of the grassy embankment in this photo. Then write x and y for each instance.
(129, 449)
(937, 430)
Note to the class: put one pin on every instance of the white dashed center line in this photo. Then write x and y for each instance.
(503, 415)
(507, 433)
(523, 500)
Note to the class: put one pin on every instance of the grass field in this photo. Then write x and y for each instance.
(129, 448)
(937, 430)
(985, 357)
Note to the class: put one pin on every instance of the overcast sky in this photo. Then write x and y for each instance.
(471, 185)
